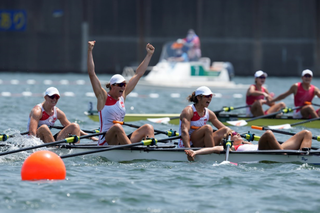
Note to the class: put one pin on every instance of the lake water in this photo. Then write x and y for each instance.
(94, 184)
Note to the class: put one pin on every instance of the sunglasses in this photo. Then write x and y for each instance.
(207, 96)
(262, 77)
(121, 84)
(54, 96)
(307, 76)
(234, 133)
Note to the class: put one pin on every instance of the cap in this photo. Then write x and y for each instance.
(203, 91)
(304, 72)
(260, 73)
(52, 91)
(116, 79)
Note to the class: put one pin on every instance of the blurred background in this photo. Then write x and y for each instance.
(281, 37)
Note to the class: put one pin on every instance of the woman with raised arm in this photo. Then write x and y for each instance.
(110, 105)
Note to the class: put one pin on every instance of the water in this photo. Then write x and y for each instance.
(95, 184)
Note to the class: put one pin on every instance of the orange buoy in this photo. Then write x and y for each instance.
(43, 165)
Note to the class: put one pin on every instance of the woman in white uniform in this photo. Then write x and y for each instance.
(110, 105)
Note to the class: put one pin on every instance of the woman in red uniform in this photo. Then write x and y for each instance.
(257, 95)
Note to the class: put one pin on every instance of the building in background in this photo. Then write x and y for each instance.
(279, 37)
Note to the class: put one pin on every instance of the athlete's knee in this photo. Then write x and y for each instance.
(75, 126)
(43, 128)
(268, 133)
(306, 133)
(282, 105)
(117, 127)
(148, 127)
(208, 128)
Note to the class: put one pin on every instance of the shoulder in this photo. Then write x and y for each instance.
(187, 112)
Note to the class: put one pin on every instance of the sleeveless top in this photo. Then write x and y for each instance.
(46, 119)
(303, 95)
(113, 110)
(245, 147)
(197, 121)
(251, 98)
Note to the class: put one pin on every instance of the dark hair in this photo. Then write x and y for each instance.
(193, 98)
(108, 85)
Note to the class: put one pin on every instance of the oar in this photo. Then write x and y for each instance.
(288, 126)
(280, 131)
(87, 131)
(227, 146)
(169, 133)
(5, 137)
(167, 119)
(244, 122)
(72, 139)
(144, 142)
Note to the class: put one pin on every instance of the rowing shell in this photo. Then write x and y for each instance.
(285, 119)
(170, 153)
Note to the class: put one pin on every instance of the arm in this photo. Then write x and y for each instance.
(35, 116)
(214, 120)
(62, 118)
(185, 118)
(99, 92)
(253, 92)
(140, 70)
(292, 90)
(317, 92)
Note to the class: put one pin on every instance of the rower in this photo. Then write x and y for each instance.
(257, 95)
(303, 92)
(45, 114)
(267, 141)
(194, 129)
(110, 105)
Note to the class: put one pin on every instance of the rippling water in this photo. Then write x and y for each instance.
(95, 184)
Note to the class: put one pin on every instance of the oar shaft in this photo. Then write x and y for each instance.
(119, 147)
(66, 140)
(228, 109)
(306, 121)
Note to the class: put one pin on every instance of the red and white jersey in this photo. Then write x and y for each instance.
(46, 119)
(196, 121)
(113, 110)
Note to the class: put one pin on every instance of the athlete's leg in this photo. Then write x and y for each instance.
(302, 139)
(44, 133)
(268, 141)
(142, 133)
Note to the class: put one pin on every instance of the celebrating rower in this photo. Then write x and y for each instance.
(110, 105)
(303, 92)
(45, 114)
(267, 141)
(258, 95)
(197, 115)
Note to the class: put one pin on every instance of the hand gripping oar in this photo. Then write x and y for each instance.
(167, 119)
(244, 122)
(144, 142)
(280, 131)
(169, 133)
(5, 137)
(72, 139)
(87, 131)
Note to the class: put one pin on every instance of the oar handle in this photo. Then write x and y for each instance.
(230, 108)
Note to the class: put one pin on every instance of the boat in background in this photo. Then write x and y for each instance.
(223, 117)
(192, 74)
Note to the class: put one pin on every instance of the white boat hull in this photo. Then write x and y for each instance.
(178, 154)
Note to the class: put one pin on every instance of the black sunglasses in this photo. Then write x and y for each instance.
(121, 84)
(207, 96)
(54, 96)
(262, 77)
(307, 76)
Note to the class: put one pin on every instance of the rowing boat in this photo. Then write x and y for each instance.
(223, 117)
(170, 153)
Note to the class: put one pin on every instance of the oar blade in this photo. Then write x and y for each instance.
(282, 126)
(159, 120)
(238, 123)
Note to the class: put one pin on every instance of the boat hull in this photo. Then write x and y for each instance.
(169, 153)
